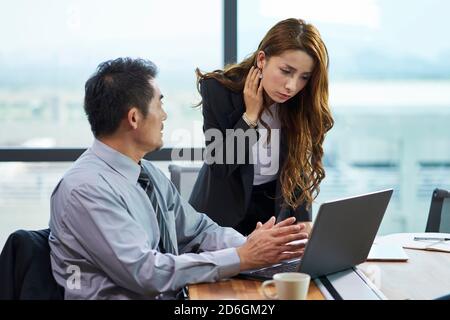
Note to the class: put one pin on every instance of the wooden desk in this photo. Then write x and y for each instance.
(426, 275)
(239, 289)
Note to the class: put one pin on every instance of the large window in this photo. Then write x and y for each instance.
(51, 47)
(389, 93)
(389, 88)
(25, 190)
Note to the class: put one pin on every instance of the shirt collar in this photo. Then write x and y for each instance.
(117, 161)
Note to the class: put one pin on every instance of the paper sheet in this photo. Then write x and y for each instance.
(387, 252)
(406, 240)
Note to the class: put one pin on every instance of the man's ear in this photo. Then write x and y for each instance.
(260, 59)
(133, 117)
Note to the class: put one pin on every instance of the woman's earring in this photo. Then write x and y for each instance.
(260, 73)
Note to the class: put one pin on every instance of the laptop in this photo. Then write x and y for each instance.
(341, 238)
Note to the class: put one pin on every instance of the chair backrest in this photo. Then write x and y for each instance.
(25, 268)
(184, 177)
(439, 215)
(445, 297)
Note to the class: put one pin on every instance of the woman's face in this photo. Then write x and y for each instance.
(285, 75)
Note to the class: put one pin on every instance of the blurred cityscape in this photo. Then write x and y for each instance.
(373, 146)
(389, 89)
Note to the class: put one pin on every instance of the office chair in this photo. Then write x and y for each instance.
(446, 297)
(25, 269)
(439, 215)
(184, 177)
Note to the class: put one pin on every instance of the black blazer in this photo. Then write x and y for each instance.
(223, 191)
(25, 268)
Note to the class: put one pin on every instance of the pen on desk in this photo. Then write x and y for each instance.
(431, 238)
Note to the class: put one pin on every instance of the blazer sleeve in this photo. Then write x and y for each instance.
(303, 213)
(216, 102)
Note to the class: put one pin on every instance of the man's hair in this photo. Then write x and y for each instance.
(114, 88)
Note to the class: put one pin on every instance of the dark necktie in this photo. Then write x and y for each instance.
(165, 243)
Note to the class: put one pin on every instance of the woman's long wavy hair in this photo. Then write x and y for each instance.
(305, 118)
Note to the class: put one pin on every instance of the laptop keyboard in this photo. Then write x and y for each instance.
(285, 267)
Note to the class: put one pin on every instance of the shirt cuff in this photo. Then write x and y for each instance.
(229, 262)
(237, 240)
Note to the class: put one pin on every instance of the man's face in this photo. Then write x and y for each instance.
(150, 128)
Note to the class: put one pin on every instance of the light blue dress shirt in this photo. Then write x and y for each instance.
(104, 233)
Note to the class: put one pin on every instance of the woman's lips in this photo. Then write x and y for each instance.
(284, 96)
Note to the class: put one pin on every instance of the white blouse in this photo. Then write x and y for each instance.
(266, 154)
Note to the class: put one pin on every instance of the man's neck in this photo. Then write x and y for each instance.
(127, 148)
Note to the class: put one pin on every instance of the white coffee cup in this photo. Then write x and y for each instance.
(289, 286)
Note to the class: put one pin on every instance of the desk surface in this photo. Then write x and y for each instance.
(425, 275)
(239, 289)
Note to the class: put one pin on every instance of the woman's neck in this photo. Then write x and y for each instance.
(267, 100)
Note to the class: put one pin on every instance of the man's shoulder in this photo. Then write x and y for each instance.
(86, 172)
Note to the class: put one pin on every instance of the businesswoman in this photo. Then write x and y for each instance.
(279, 93)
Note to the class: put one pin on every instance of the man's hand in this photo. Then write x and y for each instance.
(308, 227)
(270, 243)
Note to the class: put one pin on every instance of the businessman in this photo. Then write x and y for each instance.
(119, 228)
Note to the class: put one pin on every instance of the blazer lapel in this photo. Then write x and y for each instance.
(237, 100)
(281, 210)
